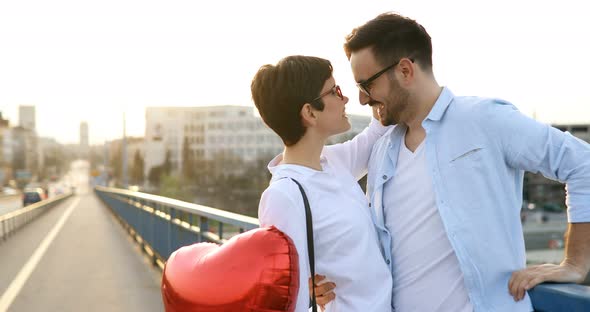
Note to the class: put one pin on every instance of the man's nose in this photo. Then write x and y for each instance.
(363, 98)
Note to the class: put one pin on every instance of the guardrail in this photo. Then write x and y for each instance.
(560, 298)
(161, 225)
(14, 220)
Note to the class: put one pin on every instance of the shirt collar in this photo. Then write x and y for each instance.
(280, 171)
(440, 106)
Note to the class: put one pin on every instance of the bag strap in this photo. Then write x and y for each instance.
(310, 249)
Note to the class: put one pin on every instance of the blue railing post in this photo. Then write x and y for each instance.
(203, 228)
(191, 223)
(172, 214)
(156, 240)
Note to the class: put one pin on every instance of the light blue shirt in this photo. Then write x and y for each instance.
(477, 150)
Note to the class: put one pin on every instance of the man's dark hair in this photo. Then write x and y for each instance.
(392, 37)
(280, 91)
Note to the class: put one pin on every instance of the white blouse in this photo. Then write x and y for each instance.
(346, 246)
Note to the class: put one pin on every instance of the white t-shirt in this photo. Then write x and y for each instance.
(426, 272)
(345, 241)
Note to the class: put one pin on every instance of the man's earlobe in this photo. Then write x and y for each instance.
(405, 72)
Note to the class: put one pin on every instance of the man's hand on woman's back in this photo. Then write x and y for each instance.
(323, 292)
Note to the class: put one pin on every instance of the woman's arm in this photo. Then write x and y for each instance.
(354, 154)
(280, 207)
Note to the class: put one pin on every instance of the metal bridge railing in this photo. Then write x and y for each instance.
(560, 298)
(14, 220)
(161, 225)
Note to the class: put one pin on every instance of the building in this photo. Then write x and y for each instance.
(4, 123)
(213, 132)
(357, 124)
(26, 134)
(580, 131)
(113, 151)
(23, 143)
(543, 191)
(5, 151)
(84, 147)
(51, 158)
(26, 117)
(5, 141)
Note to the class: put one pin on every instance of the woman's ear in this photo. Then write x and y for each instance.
(308, 115)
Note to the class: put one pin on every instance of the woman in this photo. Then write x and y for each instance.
(300, 101)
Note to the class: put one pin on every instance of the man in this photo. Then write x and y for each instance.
(445, 184)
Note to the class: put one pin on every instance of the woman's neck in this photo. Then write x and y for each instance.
(306, 152)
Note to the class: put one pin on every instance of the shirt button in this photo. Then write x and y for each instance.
(384, 177)
(388, 262)
(369, 204)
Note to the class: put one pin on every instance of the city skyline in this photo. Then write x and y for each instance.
(65, 59)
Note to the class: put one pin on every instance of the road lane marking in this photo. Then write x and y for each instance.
(19, 281)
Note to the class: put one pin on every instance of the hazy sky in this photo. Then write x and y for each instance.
(91, 60)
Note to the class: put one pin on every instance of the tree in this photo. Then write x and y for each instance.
(156, 172)
(171, 187)
(155, 175)
(167, 166)
(137, 169)
(117, 163)
(188, 171)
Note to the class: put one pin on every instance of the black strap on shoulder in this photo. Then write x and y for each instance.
(310, 250)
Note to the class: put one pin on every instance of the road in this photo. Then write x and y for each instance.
(76, 257)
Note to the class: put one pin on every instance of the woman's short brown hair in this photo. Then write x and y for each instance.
(280, 91)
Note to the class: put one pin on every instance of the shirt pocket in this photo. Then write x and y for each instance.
(469, 156)
(464, 177)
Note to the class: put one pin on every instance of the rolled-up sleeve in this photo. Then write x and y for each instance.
(536, 147)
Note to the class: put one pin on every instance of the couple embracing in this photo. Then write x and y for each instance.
(439, 228)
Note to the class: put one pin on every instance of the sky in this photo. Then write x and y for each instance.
(95, 60)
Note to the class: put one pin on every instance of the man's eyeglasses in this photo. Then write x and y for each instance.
(364, 85)
(334, 90)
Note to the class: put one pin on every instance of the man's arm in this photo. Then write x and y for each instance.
(577, 248)
(324, 292)
(573, 269)
(536, 147)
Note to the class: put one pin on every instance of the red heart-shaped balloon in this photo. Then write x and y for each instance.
(254, 271)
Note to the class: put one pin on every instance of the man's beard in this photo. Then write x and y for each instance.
(396, 105)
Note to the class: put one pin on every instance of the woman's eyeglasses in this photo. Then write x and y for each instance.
(335, 90)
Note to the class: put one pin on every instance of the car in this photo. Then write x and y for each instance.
(33, 195)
